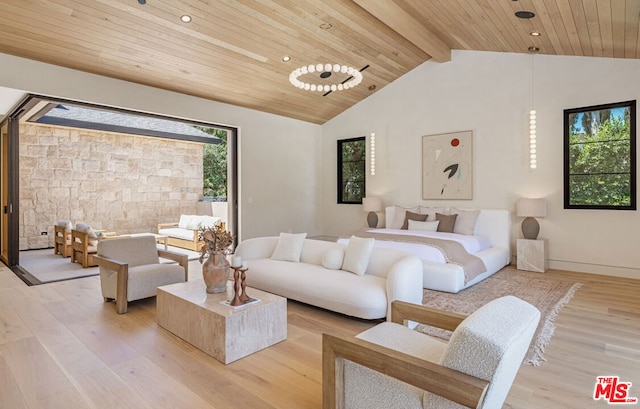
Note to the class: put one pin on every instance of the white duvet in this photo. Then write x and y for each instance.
(473, 244)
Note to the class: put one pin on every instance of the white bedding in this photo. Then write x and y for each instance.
(473, 244)
(491, 242)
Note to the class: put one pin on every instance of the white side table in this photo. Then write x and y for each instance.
(532, 255)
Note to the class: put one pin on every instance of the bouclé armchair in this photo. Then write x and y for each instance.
(130, 269)
(391, 366)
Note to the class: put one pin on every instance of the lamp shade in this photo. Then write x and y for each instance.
(371, 204)
(531, 207)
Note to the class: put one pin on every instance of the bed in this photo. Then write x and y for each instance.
(487, 240)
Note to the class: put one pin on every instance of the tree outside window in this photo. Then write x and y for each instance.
(600, 157)
(214, 165)
(351, 170)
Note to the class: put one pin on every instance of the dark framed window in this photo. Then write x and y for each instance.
(600, 157)
(351, 170)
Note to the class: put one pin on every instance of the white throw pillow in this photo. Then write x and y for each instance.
(356, 258)
(66, 224)
(332, 259)
(184, 220)
(85, 228)
(289, 247)
(466, 221)
(399, 216)
(423, 226)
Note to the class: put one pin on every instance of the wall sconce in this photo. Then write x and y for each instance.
(372, 205)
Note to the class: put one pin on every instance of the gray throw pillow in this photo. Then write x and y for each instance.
(446, 222)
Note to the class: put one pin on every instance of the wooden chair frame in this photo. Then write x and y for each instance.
(122, 269)
(80, 253)
(461, 388)
(62, 243)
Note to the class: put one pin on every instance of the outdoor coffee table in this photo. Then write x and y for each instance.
(227, 334)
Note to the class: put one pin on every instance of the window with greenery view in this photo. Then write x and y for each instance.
(600, 157)
(214, 165)
(351, 170)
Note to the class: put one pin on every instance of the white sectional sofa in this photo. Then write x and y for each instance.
(390, 275)
(184, 233)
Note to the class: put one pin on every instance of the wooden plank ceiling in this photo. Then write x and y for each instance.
(232, 50)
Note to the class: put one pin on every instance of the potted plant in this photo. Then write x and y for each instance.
(217, 243)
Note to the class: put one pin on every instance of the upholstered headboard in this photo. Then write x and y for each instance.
(494, 224)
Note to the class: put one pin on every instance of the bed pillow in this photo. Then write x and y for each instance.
(466, 221)
(447, 222)
(332, 259)
(413, 216)
(423, 226)
(399, 216)
(356, 257)
(289, 247)
(431, 211)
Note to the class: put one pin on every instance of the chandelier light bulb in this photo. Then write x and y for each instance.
(354, 80)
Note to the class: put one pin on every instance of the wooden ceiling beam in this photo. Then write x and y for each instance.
(402, 22)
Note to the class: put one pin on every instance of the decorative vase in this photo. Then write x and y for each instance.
(215, 271)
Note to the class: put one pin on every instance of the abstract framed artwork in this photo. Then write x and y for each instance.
(447, 168)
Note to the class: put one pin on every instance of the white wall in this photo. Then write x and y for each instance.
(280, 157)
(491, 94)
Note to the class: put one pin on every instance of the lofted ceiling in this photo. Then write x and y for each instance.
(232, 51)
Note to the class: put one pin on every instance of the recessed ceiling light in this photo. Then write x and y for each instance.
(286, 58)
(534, 34)
(525, 14)
(326, 26)
(533, 49)
(185, 18)
(142, 1)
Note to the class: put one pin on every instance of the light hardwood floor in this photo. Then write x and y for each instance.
(61, 346)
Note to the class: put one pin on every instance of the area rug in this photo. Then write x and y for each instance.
(547, 294)
(46, 267)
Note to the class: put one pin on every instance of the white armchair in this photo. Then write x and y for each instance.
(130, 269)
(391, 366)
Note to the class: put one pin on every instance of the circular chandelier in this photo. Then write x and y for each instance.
(325, 70)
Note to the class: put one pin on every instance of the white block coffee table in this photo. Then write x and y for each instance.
(227, 334)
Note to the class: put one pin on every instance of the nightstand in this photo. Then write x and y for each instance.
(532, 255)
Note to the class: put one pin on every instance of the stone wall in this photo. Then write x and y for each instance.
(117, 182)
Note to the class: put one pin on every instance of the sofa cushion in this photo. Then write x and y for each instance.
(333, 258)
(137, 250)
(66, 224)
(195, 221)
(336, 290)
(189, 221)
(177, 233)
(144, 280)
(289, 247)
(85, 228)
(356, 258)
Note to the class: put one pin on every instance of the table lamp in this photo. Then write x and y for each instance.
(372, 205)
(530, 209)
